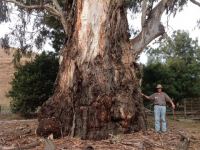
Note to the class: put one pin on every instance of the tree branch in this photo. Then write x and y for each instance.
(62, 16)
(56, 4)
(151, 27)
(54, 9)
(195, 2)
(144, 12)
(47, 7)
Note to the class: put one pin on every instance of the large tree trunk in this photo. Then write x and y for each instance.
(97, 88)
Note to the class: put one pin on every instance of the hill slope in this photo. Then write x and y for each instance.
(6, 73)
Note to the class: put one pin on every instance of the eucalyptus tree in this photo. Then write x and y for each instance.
(97, 88)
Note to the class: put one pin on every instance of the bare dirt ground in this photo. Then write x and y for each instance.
(20, 134)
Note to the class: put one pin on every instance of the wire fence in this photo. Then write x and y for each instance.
(5, 109)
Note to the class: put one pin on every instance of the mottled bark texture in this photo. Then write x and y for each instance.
(97, 88)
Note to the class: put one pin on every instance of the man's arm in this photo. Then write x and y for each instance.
(168, 99)
(172, 103)
(147, 97)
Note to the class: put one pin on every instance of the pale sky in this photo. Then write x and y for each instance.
(184, 20)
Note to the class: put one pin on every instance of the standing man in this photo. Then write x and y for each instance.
(159, 99)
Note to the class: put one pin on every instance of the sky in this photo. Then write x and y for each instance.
(184, 20)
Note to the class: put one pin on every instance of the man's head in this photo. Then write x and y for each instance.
(159, 88)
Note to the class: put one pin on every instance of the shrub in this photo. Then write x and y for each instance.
(33, 83)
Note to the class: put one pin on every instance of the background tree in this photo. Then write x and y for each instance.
(97, 88)
(175, 64)
(33, 83)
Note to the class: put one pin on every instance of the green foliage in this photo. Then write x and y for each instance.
(51, 29)
(174, 64)
(179, 46)
(57, 34)
(133, 5)
(33, 83)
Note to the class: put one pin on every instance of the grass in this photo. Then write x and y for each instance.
(179, 123)
(10, 117)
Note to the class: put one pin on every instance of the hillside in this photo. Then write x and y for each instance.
(6, 73)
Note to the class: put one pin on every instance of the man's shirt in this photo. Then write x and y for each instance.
(160, 98)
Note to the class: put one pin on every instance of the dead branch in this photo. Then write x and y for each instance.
(28, 146)
(161, 140)
(184, 142)
(130, 144)
(152, 143)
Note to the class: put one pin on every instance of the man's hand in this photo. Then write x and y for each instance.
(147, 97)
(173, 106)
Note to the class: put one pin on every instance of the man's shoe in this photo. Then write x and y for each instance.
(159, 132)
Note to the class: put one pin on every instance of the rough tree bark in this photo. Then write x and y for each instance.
(97, 91)
(97, 88)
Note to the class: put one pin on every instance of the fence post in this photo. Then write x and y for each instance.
(185, 109)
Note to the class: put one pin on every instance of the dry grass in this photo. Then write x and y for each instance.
(189, 127)
(178, 123)
(10, 117)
